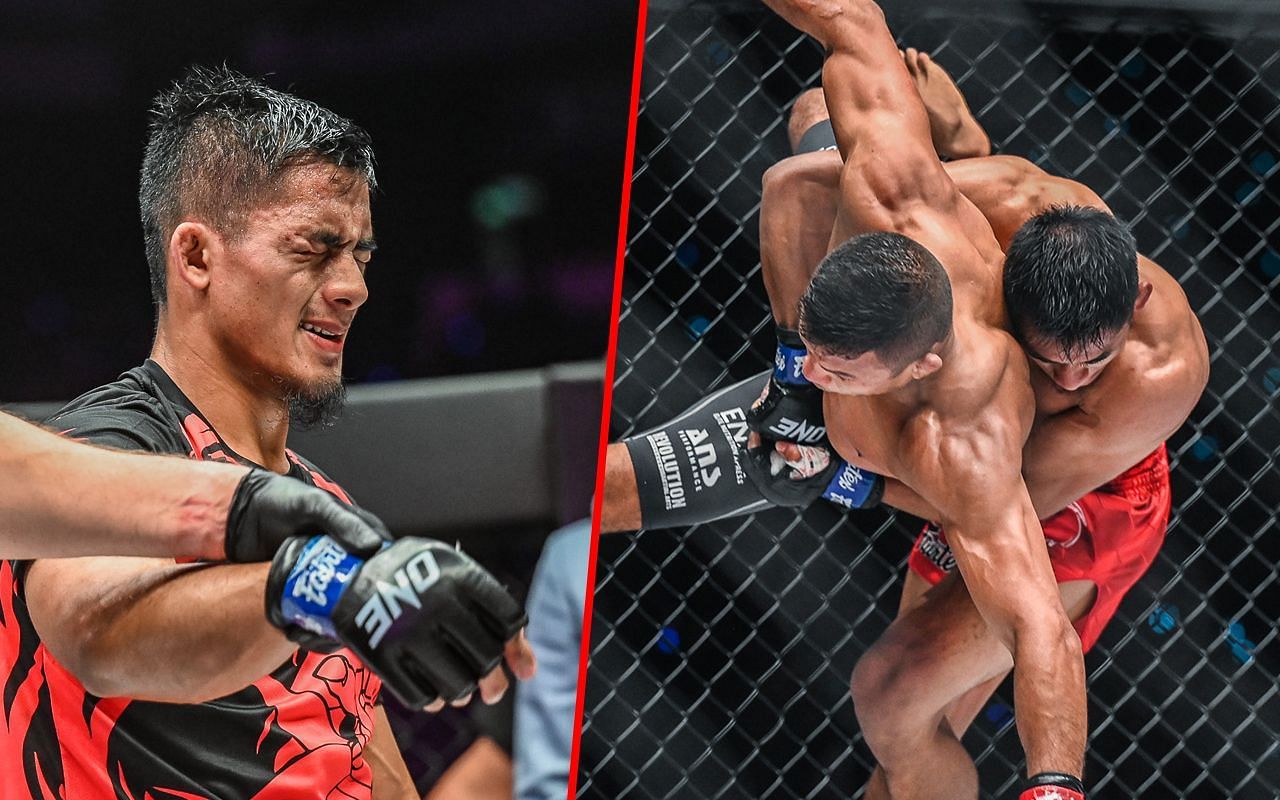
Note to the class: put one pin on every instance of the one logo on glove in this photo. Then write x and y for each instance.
(798, 431)
(385, 607)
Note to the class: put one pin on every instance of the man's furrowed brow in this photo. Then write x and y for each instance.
(332, 239)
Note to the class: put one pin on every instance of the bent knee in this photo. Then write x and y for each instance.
(879, 687)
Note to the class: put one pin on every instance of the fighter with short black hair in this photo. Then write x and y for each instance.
(137, 677)
(1134, 364)
(1119, 361)
(917, 430)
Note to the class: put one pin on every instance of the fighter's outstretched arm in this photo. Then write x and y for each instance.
(155, 630)
(64, 498)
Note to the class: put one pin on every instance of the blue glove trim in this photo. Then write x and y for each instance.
(787, 365)
(850, 486)
(316, 583)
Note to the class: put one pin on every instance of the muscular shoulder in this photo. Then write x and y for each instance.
(127, 413)
(982, 415)
(1165, 363)
(987, 376)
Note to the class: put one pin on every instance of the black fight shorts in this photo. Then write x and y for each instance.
(689, 470)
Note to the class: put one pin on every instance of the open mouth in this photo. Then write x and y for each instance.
(323, 333)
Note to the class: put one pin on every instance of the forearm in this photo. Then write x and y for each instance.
(832, 22)
(165, 632)
(63, 498)
(1049, 696)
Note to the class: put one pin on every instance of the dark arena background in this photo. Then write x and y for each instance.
(721, 654)
(500, 135)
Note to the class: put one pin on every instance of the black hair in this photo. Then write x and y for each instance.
(878, 292)
(1071, 277)
(218, 141)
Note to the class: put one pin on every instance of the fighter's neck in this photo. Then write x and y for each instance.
(923, 391)
(253, 421)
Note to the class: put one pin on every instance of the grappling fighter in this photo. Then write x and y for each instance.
(1106, 337)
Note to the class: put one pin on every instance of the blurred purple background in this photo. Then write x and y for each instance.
(499, 130)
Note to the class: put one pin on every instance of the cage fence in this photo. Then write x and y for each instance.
(721, 653)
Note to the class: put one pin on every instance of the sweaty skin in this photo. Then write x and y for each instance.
(1114, 415)
(954, 435)
(1082, 437)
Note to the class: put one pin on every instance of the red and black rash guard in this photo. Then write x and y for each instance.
(299, 732)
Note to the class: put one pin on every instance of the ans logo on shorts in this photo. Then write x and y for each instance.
(704, 453)
(934, 547)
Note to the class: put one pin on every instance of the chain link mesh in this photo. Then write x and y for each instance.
(721, 653)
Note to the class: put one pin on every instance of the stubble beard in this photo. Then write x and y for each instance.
(318, 405)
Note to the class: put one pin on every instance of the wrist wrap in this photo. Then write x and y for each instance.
(1052, 786)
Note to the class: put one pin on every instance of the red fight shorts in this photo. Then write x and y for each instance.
(1110, 537)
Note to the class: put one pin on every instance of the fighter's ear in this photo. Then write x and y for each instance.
(189, 254)
(1144, 294)
(926, 365)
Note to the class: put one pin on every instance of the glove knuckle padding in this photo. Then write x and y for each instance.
(431, 610)
(789, 412)
(781, 489)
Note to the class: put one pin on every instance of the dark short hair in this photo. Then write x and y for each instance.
(1071, 277)
(218, 143)
(878, 292)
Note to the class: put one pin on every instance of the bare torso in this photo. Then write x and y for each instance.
(893, 434)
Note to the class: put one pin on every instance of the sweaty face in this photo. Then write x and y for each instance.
(864, 375)
(283, 301)
(1076, 370)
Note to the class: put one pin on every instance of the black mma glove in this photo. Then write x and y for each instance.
(1052, 786)
(424, 616)
(818, 473)
(268, 508)
(790, 409)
